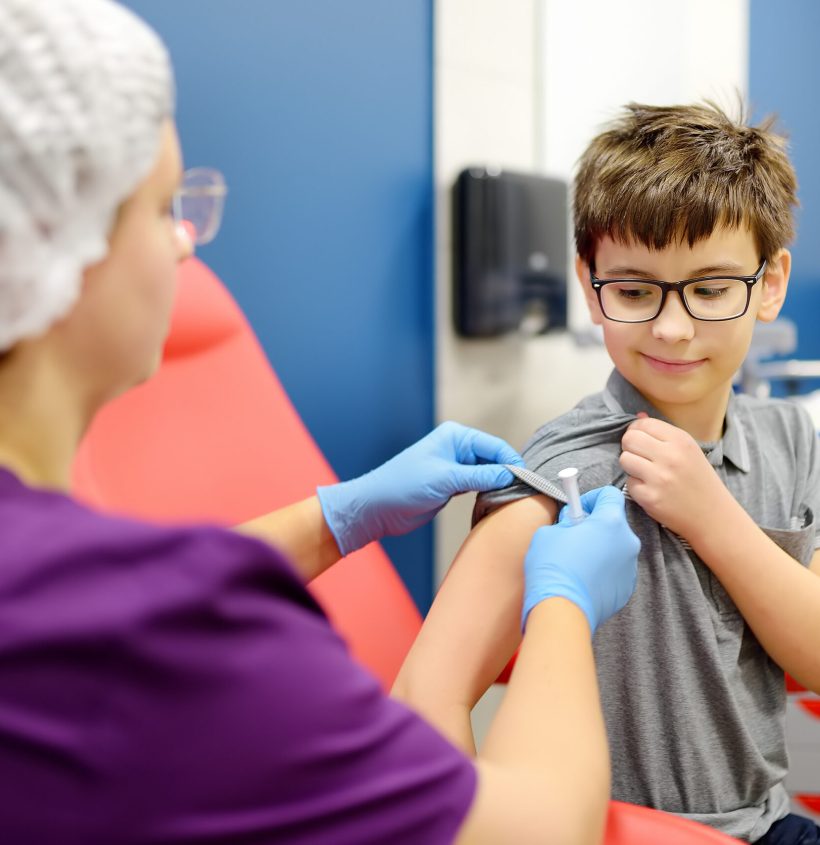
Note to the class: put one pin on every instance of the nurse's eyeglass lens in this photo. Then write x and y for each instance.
(199, 202)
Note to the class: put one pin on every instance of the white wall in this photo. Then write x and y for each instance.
(525, 84)
(597, 55)
(487, 110)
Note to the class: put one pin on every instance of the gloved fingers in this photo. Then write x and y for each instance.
(481, 478)
(590, 501)
(593, 564)
(564, 517)
(603, 501)
(474, 447)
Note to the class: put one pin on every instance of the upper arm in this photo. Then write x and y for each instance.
(474, 625)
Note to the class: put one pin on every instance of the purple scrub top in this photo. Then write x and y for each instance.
(180, 685)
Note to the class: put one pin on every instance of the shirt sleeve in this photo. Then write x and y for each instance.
(536, 453)
(586, 439)
(807, 462)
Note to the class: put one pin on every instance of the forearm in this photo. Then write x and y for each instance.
(778, 597)
(547, 743)
(301, 533)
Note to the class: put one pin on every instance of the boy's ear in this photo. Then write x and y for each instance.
(582, 271)
(775, 281)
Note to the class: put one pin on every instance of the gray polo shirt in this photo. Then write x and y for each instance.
(694, 706)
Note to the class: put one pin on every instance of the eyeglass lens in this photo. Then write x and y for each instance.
(715, 299)
(199, 202)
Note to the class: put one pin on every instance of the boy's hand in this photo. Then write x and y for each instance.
(670, 477)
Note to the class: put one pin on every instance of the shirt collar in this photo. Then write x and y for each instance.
(734, 443)
(622, 398)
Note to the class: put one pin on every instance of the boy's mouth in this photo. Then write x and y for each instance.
(666, 365)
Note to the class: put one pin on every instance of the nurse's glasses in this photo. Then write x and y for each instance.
(198, 203)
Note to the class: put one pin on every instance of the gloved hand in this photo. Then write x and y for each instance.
(593, 563)
(411, 488)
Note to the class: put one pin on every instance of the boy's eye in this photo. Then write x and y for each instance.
(635, 292)
(710, 291)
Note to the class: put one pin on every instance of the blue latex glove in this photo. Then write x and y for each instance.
(593, 563)
(411, 488)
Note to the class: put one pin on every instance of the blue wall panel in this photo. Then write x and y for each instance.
(320, 115)
(784, 76)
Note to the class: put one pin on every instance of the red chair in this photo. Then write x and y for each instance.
(214, 437)
(808, 805)
(631, 825)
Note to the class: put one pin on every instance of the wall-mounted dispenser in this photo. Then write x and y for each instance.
(509, 253)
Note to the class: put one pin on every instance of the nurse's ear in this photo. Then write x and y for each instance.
(774, 284)
(582, 272)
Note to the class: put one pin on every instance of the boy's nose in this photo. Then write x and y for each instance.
(673, 324)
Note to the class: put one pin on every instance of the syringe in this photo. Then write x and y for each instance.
(569, 481)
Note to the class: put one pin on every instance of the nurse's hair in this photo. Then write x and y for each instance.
(663, 174)
(85, 87)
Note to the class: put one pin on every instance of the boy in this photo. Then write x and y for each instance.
(723, 488)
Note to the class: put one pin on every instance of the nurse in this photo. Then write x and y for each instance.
(180, 685)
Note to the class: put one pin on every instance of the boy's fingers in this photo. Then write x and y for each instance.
(657, 428)
(634, 465)
(640, 443)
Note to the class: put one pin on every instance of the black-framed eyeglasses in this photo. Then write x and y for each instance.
(711, 298)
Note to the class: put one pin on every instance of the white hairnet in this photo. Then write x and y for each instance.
(85, 87)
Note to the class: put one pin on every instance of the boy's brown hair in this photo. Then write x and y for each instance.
(658, 174)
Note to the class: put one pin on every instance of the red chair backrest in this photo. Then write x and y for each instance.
(213, 437)
(631, 825)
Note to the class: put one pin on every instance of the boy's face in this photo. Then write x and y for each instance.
(676, 360)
